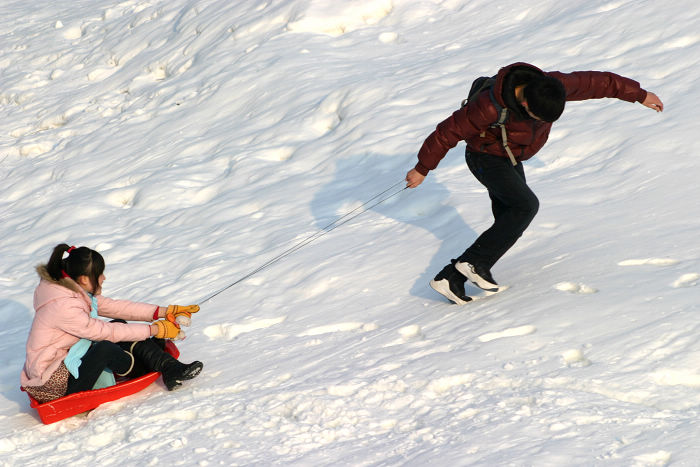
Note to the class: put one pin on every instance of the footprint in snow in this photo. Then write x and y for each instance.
(686, 280)
(676, 377)
(229, 331)
(510, 332)
(339, 327)
(575, 287)
(649, 262)
(575, 357)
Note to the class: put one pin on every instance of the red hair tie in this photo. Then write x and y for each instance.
(64, 274)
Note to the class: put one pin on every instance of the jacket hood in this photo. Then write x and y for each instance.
(51, 289)
(504, 86)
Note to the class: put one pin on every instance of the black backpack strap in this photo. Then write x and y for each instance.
(502, 111)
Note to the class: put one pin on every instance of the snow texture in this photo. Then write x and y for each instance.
(191, 141)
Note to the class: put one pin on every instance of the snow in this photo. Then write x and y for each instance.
(193, 141)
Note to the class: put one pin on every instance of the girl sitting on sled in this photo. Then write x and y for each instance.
(69, 350)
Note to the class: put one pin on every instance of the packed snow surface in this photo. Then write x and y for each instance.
(193, 141)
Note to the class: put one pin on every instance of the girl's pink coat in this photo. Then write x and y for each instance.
(63, 317)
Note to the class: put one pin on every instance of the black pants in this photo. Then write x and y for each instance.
(513, 204)
(100, 355)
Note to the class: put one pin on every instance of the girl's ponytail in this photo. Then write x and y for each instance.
(55, 264)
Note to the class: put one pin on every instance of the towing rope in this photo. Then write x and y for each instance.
(345, 218)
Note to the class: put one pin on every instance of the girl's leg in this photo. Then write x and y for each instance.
(153, 357)
(100, 355)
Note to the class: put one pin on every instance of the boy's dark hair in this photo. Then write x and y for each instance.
(545, 98)
(80, 262)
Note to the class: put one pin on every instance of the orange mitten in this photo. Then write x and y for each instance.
(183, 313)
(168, 328)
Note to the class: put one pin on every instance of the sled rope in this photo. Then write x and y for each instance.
(345, 218)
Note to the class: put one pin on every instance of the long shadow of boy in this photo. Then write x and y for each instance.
(431, 211)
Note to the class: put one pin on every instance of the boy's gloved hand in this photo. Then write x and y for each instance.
(168, 328)
(183, 313)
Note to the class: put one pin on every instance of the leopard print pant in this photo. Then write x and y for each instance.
(55, 387)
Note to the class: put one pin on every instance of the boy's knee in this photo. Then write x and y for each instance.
(534, 205)
(528, 211)
(529, 206)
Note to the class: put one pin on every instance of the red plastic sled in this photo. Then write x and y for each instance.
(73, 404)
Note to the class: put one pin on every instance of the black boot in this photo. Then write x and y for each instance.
(173, 371)
(479, 275)
(450, 283)
(160, 342)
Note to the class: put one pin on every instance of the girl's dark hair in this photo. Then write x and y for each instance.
(80, 262)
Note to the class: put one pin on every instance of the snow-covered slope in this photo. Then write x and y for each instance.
(192, 141)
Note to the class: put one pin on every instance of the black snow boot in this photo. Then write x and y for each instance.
(478, 275)
(450, 283)
(173, 371)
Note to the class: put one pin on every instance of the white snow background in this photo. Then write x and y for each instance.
(192, 141)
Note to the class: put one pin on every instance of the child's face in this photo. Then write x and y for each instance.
(520, 97)
(100, 280)
(87, 285)
(523, 102)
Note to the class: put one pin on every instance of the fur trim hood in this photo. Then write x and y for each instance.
(60, 288)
